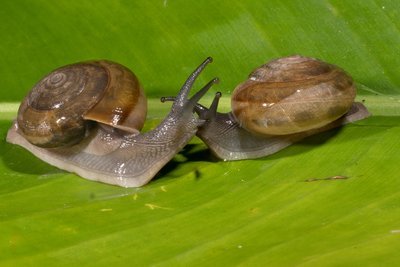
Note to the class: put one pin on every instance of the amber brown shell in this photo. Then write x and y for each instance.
(292, 94)
(57, 109)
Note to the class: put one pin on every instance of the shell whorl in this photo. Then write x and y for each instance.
(291, 69)
(55, 111)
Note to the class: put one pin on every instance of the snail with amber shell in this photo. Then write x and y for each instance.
(280, 103)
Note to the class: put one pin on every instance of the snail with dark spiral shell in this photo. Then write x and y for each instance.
(85, 118)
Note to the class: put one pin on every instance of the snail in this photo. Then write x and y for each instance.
(282, 102)
(86, 117)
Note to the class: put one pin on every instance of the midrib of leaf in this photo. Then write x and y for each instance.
(378, 105)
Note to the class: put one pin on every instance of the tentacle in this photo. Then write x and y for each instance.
(194, 99)
(184, 92)
(167, 98)
(212, 113)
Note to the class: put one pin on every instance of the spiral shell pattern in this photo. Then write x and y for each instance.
(64, 86)
(57, 109)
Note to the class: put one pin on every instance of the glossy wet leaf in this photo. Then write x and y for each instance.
(330, 200)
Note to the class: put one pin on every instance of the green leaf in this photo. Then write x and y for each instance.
(330, 200)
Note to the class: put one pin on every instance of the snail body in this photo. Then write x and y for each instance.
(282, 102)
(103, 142)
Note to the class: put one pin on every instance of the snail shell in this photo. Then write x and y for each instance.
(291, 95)
(59, 109)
